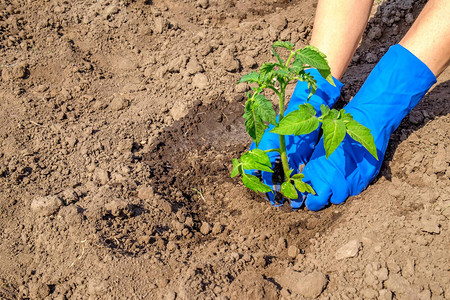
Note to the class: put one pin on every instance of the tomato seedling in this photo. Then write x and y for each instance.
(259, 113)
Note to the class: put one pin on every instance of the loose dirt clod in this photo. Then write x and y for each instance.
(45, 206)
(307, 285)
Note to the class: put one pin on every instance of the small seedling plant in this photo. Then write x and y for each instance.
(272, 79)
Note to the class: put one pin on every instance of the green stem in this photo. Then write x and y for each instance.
(289, 59)
(283, 154)
(272, 150)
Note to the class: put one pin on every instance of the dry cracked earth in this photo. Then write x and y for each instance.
(118, 123)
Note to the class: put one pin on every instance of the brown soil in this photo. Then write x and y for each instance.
(118, 123)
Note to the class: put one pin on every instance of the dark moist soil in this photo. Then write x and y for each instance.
(195, 153)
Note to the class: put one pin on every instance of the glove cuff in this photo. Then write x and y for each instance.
(326, 93)
(394, 87)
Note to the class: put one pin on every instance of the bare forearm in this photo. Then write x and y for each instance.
(338, 27)
(429, 36)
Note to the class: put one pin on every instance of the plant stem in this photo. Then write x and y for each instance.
(283, 154)
(288, 61)
(272, 150)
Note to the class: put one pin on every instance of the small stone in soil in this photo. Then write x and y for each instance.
(348, 250)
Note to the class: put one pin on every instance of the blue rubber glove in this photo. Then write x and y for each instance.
(299, 148)
(393, 88)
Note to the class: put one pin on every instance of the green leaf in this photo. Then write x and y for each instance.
(324, 109)
(264, 109)
(282, 73)
(298, 176)
(288, 190)
(254, 125)
(235, 170)
(301, 121)
(256, 159)
(311, 56)
(312, 83)
(296, 70)
(362, 135)
(326, 73)
(333, 134)
(302, 186)
(345, 117)
(250, 77)
(332, 114)
(317, 50)
(282, 44)
(253, 183)
(266, 68)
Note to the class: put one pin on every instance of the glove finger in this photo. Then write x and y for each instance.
(320, 200)
(271, 198)
(340, 192)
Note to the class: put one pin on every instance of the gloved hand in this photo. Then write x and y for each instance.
(393, 88)
(299, 148)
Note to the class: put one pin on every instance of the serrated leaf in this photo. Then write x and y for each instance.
(282, 44)
(309, 108)
(288, 190)
(303, 186)
(282, 73)
(256, 159)
(266, 68)
(250, 77)
(280, 61)
(317, 50)
(312, 83)
(235, 170)
(264, 109)
(362, 135)
(254, 125)
(332, 114)
(253, 183)
(312, 58)
(333, 134)
(301, 121)
(296, 69)
(324, 109)
(346, 117)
